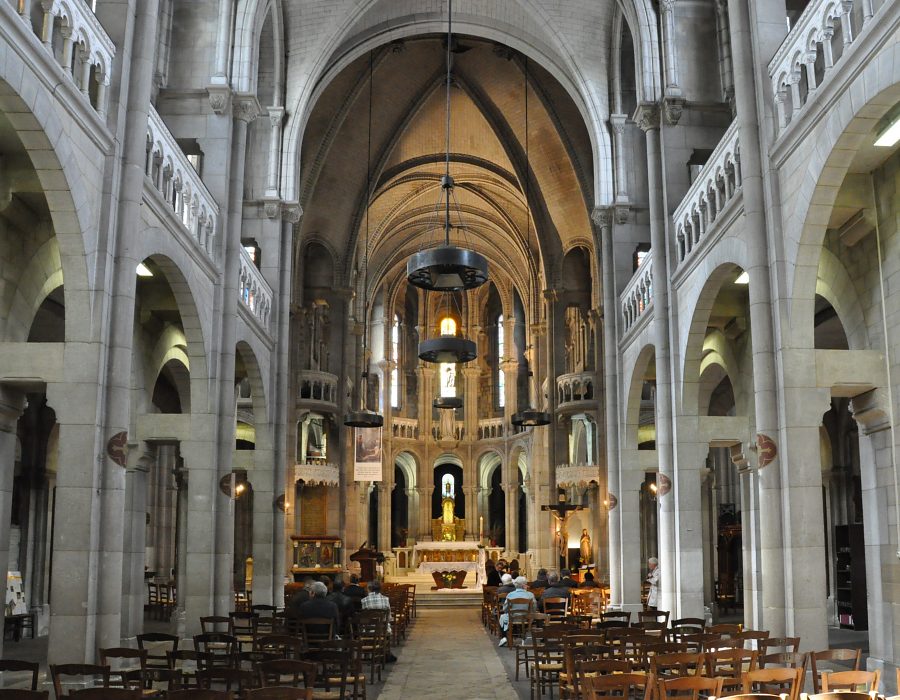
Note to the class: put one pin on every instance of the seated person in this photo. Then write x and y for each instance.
(567, 580)
(299, 598)
(555, 589)
(506, 584)
(518, 594)
(344, 604)
(541, 580)
(318, 607)
(355, 592)
(589, 581)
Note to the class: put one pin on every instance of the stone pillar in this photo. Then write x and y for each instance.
(276, 119)
(511, 496)
(765, 33)
(472, 511)
(424, 512)
(266, 522)
(648, 118)
(412, 511)
(140, 461)
(224, 32)
(12, 403)
(384, 514)
(670, 49)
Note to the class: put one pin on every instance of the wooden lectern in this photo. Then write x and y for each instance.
(366, 558)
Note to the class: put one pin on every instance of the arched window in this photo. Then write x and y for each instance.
(448, 326)
(501, 375)
(395, 356)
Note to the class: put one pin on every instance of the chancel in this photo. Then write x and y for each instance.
(423, 293)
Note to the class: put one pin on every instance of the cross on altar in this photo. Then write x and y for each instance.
(561, 512)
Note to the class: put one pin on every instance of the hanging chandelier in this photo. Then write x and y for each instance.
(447, 267)
(529, 417)
(447, 403)
(363, 417)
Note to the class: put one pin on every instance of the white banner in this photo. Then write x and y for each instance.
(367, 455)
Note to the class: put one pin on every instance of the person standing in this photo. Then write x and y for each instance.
(653, 581)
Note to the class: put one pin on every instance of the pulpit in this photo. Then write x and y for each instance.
(366, 558)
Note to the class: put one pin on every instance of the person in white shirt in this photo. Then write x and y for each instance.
(653, 580)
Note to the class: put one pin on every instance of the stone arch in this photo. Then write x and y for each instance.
(258, 392)
(41, 276)
(249, 21)
(696, 331)
(488, 462)
(642, 23)
(171, 345)
(188, 299)
(408, 462)
(551, 55)
(871, 94)
(833, 283)
(73, 225)
(633, 397)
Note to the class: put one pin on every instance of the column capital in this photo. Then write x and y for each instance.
(219, 98)
(246, 107)
(647, 116)
(276, 116)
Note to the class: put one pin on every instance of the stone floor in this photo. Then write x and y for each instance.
(448, 654)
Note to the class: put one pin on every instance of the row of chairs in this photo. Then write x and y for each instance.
(162, 599)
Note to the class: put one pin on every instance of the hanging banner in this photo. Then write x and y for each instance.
(367, 456)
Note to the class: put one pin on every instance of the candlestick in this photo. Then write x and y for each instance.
(480, 527)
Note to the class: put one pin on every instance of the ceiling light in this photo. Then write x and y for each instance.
(447, 402)
(891, 135)
(447, 348)
(143, 271)
(743, 278)
(531, 418)
(447, 267)
(363, 418)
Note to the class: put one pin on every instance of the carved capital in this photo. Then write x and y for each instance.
(602, 217)
(292, 212)
(667, 5)
(272, 207)
(276, 116)
(617, 122)
(246, 107)
(646, 116)
(672, 109)
(219, 98)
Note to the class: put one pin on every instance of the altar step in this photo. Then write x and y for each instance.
(468, 597)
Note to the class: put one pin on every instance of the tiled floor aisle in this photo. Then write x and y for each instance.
(448, 655)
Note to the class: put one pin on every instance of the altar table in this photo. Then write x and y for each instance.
(427, 567)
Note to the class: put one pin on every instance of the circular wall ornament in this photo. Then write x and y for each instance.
(117, 448)
(664, 484)
(612, 501)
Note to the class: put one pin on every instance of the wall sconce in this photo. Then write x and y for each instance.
(235, 484)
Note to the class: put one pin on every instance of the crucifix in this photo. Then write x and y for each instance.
(561, 512)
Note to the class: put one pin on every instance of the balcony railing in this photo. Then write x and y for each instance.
(719, 180)
(638, 295)
(317, 473)
(578, 475)
(574, 388)
(407, 428)
(83, 49)
(459, 431)
(815, 44)
(317, 387)
(491, 428)
(179, 184)
(256, 294)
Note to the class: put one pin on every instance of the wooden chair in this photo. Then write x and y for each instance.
(487, 595)
(198, 694)
(221, 649)
(697, 622)
(316, 629)
(285, 645)
(82, 672)
(242, 626)
(654, 616)
(187, 662)
(589, 668)
(784, 659)
(279, 693)
(333, 673)
(669, 648)
(556, 607)
(730, 665)
(127, 667)
(688, 687)
(548, 659)
(830, 655)
(775, 680)
(287, 672)
(16, 666)
(106, 694)
(676, 665)
(227, 679)
(215, 623)
(724, 629)
(627, 685)
(838, 695)
(156, 644)
(518, 631)
(369, 627)
(752, 638)
(23, 694)
(622, 615)
(579, 647)
(772, 645)
(851, 680)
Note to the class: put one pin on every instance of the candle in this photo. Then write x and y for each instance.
(480, 527)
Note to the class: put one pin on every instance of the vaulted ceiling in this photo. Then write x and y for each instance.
(488, 158)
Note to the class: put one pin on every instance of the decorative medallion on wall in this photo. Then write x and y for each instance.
(117, 448)
(612, 501)
(766, 448)
(280, 503)
(664, 484)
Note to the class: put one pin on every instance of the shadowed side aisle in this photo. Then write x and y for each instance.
(448, 654)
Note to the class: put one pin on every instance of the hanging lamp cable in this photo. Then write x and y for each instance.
(447, 183)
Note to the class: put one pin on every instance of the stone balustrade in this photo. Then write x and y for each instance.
(317, 387)
(406, 428)
(577, 475)
(255, 292)
(491, 429)
(459, 431)
(85, 52)
(179, 184)
(316, 472)
(815, 44)
(638, 295)
(574, 388)
(719, 180)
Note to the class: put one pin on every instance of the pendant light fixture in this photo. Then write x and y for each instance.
(364, 418)
(447, 403)
(447, 267)
(529, 417)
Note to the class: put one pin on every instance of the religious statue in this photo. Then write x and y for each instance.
(585, 547)
(447, 507)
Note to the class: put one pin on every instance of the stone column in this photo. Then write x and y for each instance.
(276, 119)
(670, 55)
(472, 511)
(224, 32)
(412, 510)
(384, 514)
(424, 512)
(12, 404)
(511, 496)
(140, 461)
(602, 219)
(266, 522)
(648, 118)
(766, 34)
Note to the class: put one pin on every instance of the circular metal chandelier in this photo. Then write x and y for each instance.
(531, 418)
(447, 348)
(364, 418)
(447, 402)
(447, 267)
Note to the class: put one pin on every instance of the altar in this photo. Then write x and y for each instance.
(444, 553)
